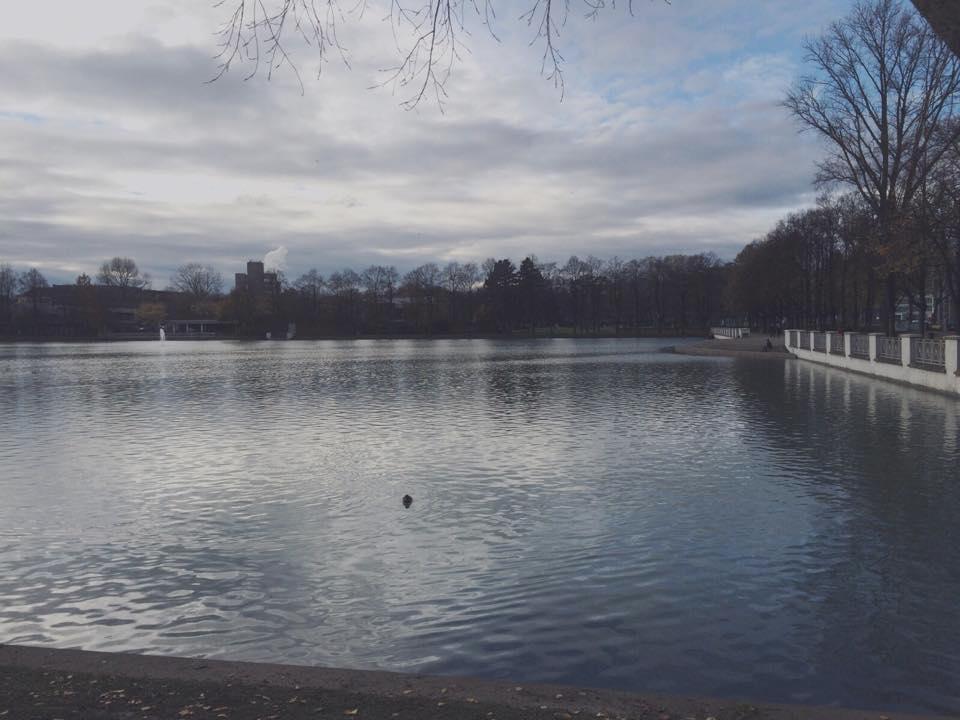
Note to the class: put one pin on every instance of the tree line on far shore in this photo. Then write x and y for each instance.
(583, 296)
(826, 268)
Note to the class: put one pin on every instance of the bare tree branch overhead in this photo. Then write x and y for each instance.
(429, 36)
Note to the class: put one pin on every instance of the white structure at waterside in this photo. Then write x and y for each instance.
(930, 363)
(729, 333)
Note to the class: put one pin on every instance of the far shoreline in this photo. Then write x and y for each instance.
(305, 338)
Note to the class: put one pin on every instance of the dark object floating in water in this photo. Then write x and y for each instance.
(407, 501)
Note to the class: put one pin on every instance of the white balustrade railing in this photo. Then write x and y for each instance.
(928, 354)
(926, 362)
(730, 332)
(860, 346)
(888, 350)
(836, 344)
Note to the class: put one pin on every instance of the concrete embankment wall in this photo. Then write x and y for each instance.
(48, 683)
(935, 371)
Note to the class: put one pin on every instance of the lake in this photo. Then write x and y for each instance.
(589, 512)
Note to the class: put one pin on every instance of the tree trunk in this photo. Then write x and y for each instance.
(890, 306)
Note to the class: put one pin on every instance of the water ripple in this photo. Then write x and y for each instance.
(588, 512)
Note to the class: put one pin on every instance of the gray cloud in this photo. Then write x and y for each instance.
(125, 150)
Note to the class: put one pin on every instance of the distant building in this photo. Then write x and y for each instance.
(256, 282)
(200, 328)
(95, 310)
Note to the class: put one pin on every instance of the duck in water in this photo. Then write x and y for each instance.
(407, 501)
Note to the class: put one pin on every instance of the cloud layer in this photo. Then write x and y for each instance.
(670, 138)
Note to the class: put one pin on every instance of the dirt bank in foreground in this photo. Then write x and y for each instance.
(39, 683)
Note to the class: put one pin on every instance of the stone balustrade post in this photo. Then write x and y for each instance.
(906, 342)
(847, 346)
(872, 339)
(951, 354)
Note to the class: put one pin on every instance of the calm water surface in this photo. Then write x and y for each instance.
(586, 512)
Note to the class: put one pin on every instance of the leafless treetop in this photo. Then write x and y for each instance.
(882, 91)
(429, 36)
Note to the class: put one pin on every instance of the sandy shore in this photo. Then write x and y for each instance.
(752, 347)
(42, 683)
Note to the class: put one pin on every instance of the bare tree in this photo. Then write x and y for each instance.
(881, 87)
(8, 286)
(458, 280)
(939, 216)
(634, 272)
(31, 282)
(198, 281)
(460, 277)
(423, 285)
(616, 273)
(429, 36)
(380, 282)
(122, 272)
(311, 285)
(487, 266)
(345, 286)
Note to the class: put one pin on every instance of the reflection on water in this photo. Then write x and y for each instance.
(589, 512)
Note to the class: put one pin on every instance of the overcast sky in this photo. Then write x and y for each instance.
(670, 138)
